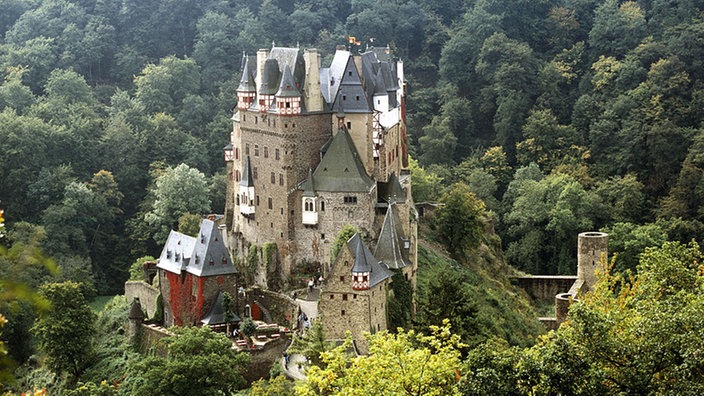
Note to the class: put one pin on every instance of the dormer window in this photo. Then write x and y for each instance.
(168, 253)
(211, 261)
(224, 260)
(196, 259)
(178, 257)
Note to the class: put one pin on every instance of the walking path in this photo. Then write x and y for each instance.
(308, 303)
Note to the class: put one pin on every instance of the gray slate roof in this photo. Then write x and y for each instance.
(364, 261)
(341, 169)
(307, 186)
(287, 88)
(247, 81)
(391, 191)
(247, 179)
(195, 255)
(217, 312)
(330, 78)
(389, 247)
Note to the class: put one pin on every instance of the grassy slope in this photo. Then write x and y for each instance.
(503, 310)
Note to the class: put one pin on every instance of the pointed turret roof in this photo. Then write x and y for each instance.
(307, 186)
(341, 169)
(247, 82)
(287, 88)
(136, 312)
(217, 312)
(364, 261)
(391, 191)
(389, 248)
(247, 179)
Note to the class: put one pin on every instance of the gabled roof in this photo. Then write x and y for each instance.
(287, 88)
(350, 93)
(391, 191)
(364, 261)
(341, 169)
(247, 179)
(210, 256)
(247, 81)
(217, 313)
(186, 253)
(330, 78)
(176, 253)
(389, 247)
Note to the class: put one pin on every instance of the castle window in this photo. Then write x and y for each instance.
(288, 105)
(308, 205)
(350, 199)
(357, 97)
(322, 206)
(332, 296)
(237, 153)
(256, 150)
(270, 203)
(256, 120)
(266, 152)
(342, 278)
(350, 214)
(244, 117)
(349, 125)
(342, 313)
(238, 200)
(257, 200)
(354, 296)
(347, 263)
(282, 211)
(344, 297)
(273, 178)
(271, 225)
(294, 125)
(281, 179)
(322, 236)
(277, 154)
(344, 97)
(285, 124)
(254, 172)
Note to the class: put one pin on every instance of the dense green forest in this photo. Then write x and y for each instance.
(561, 115)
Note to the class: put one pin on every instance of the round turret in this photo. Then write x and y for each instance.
(592, 248)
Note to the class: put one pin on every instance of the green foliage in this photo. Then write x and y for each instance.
(92, 389)
(400, 302)
(460, 220)
(402, 363)
(137, 268)
(277, 386)
(248, 327)
(312, 344)
(189, 224)
(629, 336)
(342, 237)
(424, 183)
(484, 303)
(65, 332)
(199, 361)
(177, 191)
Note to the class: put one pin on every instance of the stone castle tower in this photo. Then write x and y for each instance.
(313, 149)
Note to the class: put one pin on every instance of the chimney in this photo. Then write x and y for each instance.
(314, 98)
(262, 54)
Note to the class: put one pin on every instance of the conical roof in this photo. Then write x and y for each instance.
(270, 77)
(389, 247)
(307, 186)
(247, 83)
(247, 179)
(217, 313)
(364, 261)
(287, 88)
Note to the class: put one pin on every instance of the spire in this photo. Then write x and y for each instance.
(287, 88)
(247, 83)
(247, 179)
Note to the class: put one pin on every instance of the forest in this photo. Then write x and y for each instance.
(561, 116)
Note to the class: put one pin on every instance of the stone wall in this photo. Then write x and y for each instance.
(544, 287)
(150, 336)
(146, 293)
(281, 309)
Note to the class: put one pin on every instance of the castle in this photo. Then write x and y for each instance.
(311, 151)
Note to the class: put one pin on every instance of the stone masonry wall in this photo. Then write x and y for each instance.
(146, 293)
